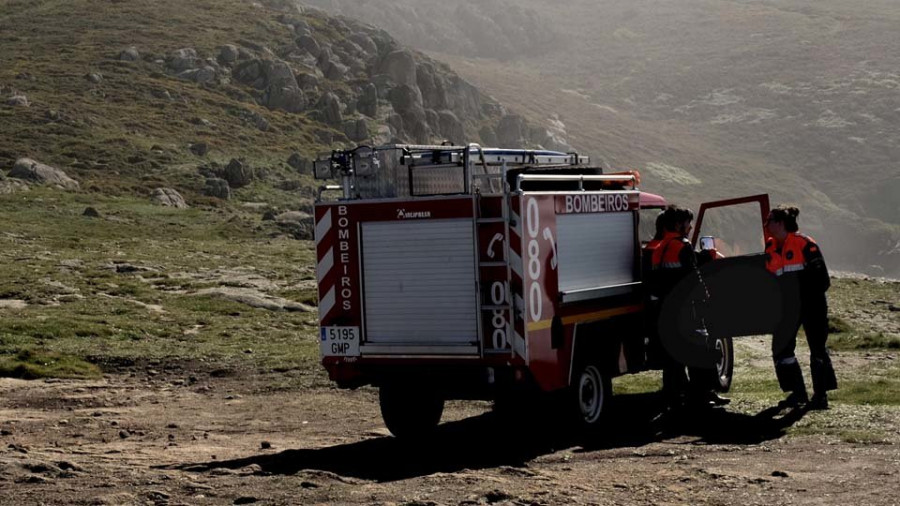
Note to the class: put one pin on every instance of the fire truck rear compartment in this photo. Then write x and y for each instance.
(419, 287)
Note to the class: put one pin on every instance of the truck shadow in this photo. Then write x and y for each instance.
(489, 440)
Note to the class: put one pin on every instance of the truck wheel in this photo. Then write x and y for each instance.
(725, 364)
(409, 412)
(591, 393)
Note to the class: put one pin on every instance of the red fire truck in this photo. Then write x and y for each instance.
(462, 272)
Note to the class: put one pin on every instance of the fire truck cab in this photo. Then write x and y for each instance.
(462, 272)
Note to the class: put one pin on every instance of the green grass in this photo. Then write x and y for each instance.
(35, 364)
(64, 267)
(865, 341)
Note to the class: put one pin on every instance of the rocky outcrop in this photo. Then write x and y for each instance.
(168, 197)
(360, 82)
(330, 107)
(400, 67)
(237, 174)
(228, 54)
(276, 80)
(36, 172)
(298, 163)
(18, 101)
(368, 101)
(356, 130)
(129, 54)
(511, 130)
(218, 188)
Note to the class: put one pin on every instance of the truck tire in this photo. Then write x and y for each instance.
(409, 411)
(725, 364)
(590, 394)
(719, 378)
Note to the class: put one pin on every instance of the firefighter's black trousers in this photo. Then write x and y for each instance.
(812, 313)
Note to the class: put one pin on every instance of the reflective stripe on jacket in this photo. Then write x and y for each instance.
(668, 255)
(790, 256)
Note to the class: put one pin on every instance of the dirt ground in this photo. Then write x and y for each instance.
(175, 436)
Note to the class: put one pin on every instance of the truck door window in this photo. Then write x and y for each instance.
(737, 229)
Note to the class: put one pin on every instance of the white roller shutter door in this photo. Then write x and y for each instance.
(419, 282)
(595, 250)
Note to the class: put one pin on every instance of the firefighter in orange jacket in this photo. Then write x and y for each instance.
(673, 258)
(798, 263)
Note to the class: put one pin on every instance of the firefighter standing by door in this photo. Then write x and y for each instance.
(803, 277)
(673, 258)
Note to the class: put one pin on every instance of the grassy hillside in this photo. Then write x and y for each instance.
(102, 133)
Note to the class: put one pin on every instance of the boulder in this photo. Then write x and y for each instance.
(309, 44)
(250, 72)
(286, 98)
(265, 74)
(129, 54)
(325, 56)
(334, 70)
(330, 106)
(356, 130)
(199, 148)
(488, 137)
(432, 118)
(365, 43)
(183, 59)
(301, 27)
(297, 223)
(228, 53)
(237, 174)
(348, 49)
(407, 101)
(383, 84)
(307, 81)
(8, 186)
(168, 197)
(450, 127)
(161, 93)
(368, 101)
(218, 188)
(18, 101)
(94, 77)
(245, 54)
(278, 72)
(30, 170)
(434, 93)
(400, 65)
(395, 123)
(293, 217)
(201, 75)
(298, 162)
(511, 131)
(91, 212)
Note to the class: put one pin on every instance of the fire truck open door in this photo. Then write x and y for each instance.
(743, 297)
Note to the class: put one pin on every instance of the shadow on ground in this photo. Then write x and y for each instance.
(490, 440)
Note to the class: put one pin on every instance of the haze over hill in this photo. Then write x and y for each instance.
(713, 99)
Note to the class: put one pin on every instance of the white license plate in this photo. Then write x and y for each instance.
(339, 342)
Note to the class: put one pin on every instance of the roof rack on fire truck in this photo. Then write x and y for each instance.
(408, 170)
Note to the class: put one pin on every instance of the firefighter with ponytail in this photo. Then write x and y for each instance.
(796, 260)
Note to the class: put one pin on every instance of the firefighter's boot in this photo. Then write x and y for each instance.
(819, 401)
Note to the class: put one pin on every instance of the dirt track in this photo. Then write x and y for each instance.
(150, 439)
